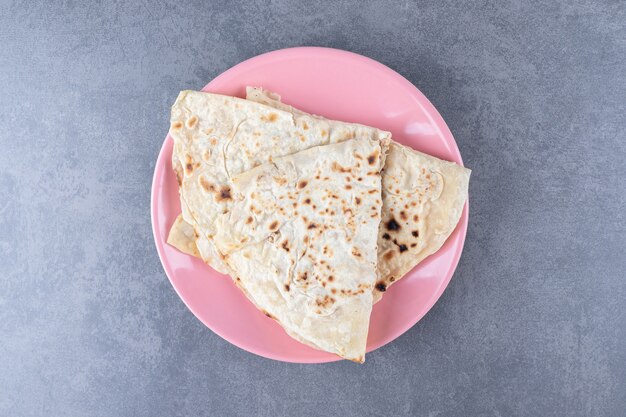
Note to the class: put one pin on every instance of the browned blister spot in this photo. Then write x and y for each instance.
(372, 191)
(387, 256)
(206, 185)
(333, 290)
(348, 187)
(415, 233)
(336, 167)
(311, 226)
(324, 302)
(286, 287)
(307, 201)
(285, 245)
(392, 225)
(179, 176)
(356, 252)
(305, 126)
(386, 236)
(381, 286)
(249, 220)
(402, 247)
(177, 125)
(273, 226)
(213, 141)
(416, 218)
(302, 184)
(302, 138)
(371, 159)
(280, 180)
(224, 194)
(192, 121)
(413, 245)
(272, 117)
(357, 200)
(403, 215)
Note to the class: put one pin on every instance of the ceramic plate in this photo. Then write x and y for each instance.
(338, 85)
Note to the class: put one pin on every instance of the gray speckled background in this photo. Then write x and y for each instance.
(534, 321)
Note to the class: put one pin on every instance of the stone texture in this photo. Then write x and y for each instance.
(534, 321)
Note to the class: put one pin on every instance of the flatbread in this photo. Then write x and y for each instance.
(217, 137)
(299, 237)
(423, 199)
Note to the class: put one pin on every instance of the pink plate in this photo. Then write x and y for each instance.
(338, 85)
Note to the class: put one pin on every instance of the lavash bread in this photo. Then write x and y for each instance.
(217, 137)
(300, 239)
(423, 199)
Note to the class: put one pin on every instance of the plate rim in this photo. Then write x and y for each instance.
(430, 111)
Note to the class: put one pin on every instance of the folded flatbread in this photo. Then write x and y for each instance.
(217, 137)
(299, 237)
(183, 237)
(423, 199)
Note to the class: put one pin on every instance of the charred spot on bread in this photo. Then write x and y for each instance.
(372, 158)
(381, 286)
(392, 225)
(224, 193)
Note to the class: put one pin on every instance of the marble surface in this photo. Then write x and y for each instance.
(534, 320)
